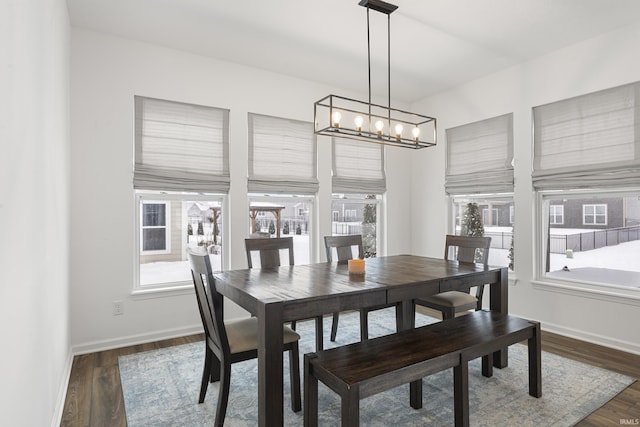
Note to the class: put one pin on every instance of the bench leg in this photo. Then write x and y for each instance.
(535, 362)
(310, 415)
(461, 393)
(351, 407)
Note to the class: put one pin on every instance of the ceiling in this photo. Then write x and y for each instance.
(435, 44)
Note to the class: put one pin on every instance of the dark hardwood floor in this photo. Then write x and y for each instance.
(94, 395)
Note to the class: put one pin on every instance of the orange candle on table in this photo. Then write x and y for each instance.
(356, 266)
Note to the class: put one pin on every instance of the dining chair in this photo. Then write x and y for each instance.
(232, 341)
(467, 249)
(343, 246)
(269, 250)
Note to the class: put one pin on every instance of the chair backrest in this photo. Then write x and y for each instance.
(343, 246)
(269, 250)
(469, 249)
(209, 300)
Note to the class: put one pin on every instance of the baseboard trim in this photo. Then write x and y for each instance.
(126, 341)
(56, 421)
(625, 346)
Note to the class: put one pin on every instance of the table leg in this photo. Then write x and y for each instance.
(406, 319)
(270, 374)
(499, 301)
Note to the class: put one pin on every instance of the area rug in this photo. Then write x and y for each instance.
(161, 387)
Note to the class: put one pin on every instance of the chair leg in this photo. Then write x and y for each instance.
(223, 395)
(293, 325)
(319, 334)
(334, 326)
(206, 373)
(294, 377)
(448, 314)
(364, 325)
(215, 369)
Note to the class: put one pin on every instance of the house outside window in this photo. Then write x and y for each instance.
(181, 178)
(154, 227)
(594, 214)
(556, 214)
(587, 159)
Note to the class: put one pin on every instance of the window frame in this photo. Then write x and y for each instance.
(312, 200)
(609, 292)
(165, 197)
(453, 199)
(380, 202)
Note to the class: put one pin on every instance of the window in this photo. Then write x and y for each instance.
(181, 176)
(284, 216)
(556, 214)
(587, 159)
(187, 220)
(479, 182)
(594, 214)
(155, 234)
(282, 181)
(361, 214)
(499, 229)
(358, 182)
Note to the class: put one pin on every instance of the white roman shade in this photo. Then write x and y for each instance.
(180, 147)
(358, 167)
(480, 156)
(588, 141)
(282, 156)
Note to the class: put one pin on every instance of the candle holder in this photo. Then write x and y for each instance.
(356, 267)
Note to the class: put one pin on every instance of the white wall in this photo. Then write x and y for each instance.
(34, 210)
(606, 61)
(106, 72)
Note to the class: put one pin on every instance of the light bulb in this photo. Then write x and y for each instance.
(379, 126)
(358, 120)
(335, 119)
(399, 131)
(415, 132)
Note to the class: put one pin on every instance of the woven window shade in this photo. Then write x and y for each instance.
(180, 147)
(479, 157)
(358, 167)
(282, 156)
(588, 141)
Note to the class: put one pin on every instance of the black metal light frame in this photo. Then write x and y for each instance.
(418, 126)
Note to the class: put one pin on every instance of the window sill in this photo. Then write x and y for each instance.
(619, 295)
(170, 290)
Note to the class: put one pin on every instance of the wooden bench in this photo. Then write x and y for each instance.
(369, 367)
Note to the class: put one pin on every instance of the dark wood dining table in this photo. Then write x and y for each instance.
(281, 294)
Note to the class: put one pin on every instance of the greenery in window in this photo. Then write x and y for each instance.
(369, 229)
(472, 225)
(510, 254)
(285, 228)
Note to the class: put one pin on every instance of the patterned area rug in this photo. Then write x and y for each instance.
(161, 388)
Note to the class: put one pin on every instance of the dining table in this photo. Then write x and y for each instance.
(281, 294)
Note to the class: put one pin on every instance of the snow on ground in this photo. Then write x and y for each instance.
(609, 264)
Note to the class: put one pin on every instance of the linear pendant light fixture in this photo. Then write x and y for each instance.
(337, 116)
